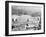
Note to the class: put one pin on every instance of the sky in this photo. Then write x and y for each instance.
(26, 9)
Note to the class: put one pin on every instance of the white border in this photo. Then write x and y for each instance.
(24, 32)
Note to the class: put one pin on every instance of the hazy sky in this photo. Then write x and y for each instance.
(29, 8)
(26, 9)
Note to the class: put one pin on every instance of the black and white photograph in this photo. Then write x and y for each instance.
(25, 18)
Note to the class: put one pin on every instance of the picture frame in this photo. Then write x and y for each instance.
(11, 9)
